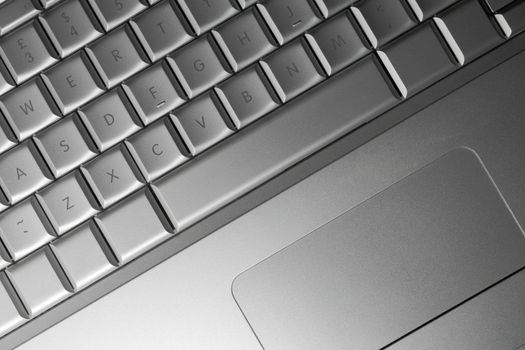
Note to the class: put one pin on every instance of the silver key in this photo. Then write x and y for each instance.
(331, 7)
(161, 30)
(38, 271)
(6, 82)
(117, 56)
(201, 123)
(26, 52)
(205, 14)
(198, 67)
(154, 92)
(82, 257)
(243, 39)
(67, 202)
(64, 147)
(427, 8)
(291, 70)
(114, 12)
(111, 176)
(29, 108)
(9, 317)
(14, 13)
(133, 227)
(157, 149)
(22, 172)
(109, 119)
(246, 97)
(72, 83)
(24, 229)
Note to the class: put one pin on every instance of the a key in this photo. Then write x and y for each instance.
(29, 108)
(201, 123)
(337, 43)
(72, 82)
(198, 66)
(24, 228)
(26, 52)
(161, 30)
(6, 82)
(82, 257)
(289, 18)
(331, 7)
(512, 19)
(109, 119)
(70, 26)
(246, 97)
(22, 171)
(383, 20)
(496, 5)
(154, 92)
(244, 39)
(134, 226)
(10, 318)
(205, 14)
(117, 56)
(427, 8)
(157, 149)
(15, 12)
(64, 146)
(111, 13)
(67, 202)
(292, 70)
(38, 271)
(112, 176)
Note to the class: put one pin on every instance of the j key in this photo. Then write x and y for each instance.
(289, 18)
(198, 66)
(383, 20)
(291, 70)
(246, 97)
(161, 30)
(337, 43)
(73, 83)
(64, 145)
(154, 92)
(111, 176)
(6, 82)
(24, 229)
(70, 27)
(10, 317)
(512, 19)
(205, 14)
(26, 52)
(109, 119)
(29, 108)
(15, 12)
(331, 7)
(427, 8)
(22, 171)
(114, 12)
(244, 39)
(157, 149)
(67, 202)
(201, 123)
(117, 56)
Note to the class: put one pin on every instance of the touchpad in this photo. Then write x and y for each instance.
(387, 266)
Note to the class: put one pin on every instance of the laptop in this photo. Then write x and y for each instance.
(273, 174)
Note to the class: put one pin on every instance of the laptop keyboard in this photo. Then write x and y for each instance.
(125, 122)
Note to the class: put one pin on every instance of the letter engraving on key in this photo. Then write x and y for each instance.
(64, 145)
(119, 5)
(27, 107)
(109, 119)
(69, 206)
(199, 65)
(292, 69)
(202, 122)
(246, 96)
(244, 38)
(116, 55)
(71, 82)
(20, 173)
(20, 223)
(338, 42)
(112, 175)
(156, 151)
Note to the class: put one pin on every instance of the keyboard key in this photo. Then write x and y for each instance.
(244, 39)
(9, 317)
(15, 12)
(331, 7)
(111, 13)
(496, 5)
(512, 19)
(6, 139)
(22, 171)
(6, 82)
(117, 56)
(134, 226)
(111, 176)
(24, 228)
(204, 15)
(67, 202)
(161, 30)
(383, 20)
(109, 119)
(157, 149)
(64, 147)
(201, 123)
(26, 52)
(82, 257)
(29, 108)
(72, 83)
(337, 43)
(198, 67)
(38, 271)
(246, 97)
(154, 92)
(291, 70)
(427, 8)
(70, 26)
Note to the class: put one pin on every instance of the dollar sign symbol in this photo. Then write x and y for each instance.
(65, 17)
